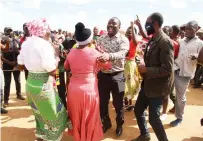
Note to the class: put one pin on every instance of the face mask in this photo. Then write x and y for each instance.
(149, 28)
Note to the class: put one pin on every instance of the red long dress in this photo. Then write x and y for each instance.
(83, 96)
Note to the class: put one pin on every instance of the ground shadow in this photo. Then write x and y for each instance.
(130, 129)
(17, 134)
(14, 102)
(194, 96)
(16, 114)
(193, 139)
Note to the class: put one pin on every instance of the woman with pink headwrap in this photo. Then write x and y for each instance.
(38, 56)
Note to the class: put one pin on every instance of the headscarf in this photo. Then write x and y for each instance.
(38, 27)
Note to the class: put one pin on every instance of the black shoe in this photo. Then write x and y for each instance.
(142, 138)
(129, 108)
(119, 130)
(106, 127)
(20, 97)
(3, 111)
(106, 124)
(201, 122)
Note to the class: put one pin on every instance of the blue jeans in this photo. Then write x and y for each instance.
(154, 115)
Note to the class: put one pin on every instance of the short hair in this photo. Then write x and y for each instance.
(194, 24)
(130, 28)
(176, 29)
(157, 17)
(119, 21)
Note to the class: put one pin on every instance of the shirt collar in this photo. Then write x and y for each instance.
(185, 39)
(117, 35)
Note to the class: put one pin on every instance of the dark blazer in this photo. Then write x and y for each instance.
(159, 60)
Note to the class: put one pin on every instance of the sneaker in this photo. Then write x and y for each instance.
(3, 111)
(20, 97)
(163, 117)
(142, 138)
(5, 105)
(176, 122)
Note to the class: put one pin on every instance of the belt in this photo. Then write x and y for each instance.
(112, 74)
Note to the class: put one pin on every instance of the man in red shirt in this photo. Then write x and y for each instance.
(175, 37)
(173, 33)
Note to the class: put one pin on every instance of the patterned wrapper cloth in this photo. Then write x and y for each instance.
(50, 114)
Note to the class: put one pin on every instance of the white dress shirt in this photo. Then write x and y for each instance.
(184, 63)
(37, 55)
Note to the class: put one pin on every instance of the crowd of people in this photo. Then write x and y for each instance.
(70, 77)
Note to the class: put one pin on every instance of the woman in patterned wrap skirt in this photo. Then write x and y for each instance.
(37, 55)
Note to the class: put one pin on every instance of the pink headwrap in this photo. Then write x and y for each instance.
(38, 27)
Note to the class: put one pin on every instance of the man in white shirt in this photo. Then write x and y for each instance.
(184, 67)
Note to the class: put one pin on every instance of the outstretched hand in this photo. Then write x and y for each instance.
(104, 57)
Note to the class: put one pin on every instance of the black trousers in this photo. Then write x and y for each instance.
(198, 76)
(26, 74)
(7, 77)
(115, 84)
(154, 105)
(62, 88)
(172, 93)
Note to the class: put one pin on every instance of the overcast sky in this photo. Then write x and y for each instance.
(66, 13)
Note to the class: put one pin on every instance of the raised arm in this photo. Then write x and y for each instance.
(142, 33)
(135, 38)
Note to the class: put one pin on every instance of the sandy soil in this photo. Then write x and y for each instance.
(19, 124)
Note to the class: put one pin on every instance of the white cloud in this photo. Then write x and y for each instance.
(69, 20)
(172, 3)
(157, 2)
(76, 2)
(101, 11)
(32, 3)
(11, 18)
(151, 6)
(152, 1)
(179, 3)
(82, 15)
(79, 1)
(197, 16)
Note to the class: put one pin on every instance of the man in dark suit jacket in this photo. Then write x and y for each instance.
(157, 78)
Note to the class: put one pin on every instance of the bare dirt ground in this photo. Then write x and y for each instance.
(19, 123)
